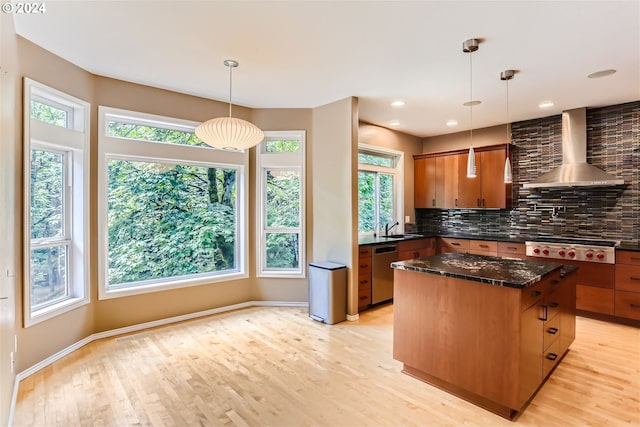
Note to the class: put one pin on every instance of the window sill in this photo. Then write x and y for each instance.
(167, 285)
(54, 310)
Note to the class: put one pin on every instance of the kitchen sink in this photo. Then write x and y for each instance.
(402, 236)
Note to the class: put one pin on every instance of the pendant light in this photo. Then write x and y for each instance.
(469, 46)
(507, 75)
(229, 133)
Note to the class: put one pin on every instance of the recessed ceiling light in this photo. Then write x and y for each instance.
(394, 123)
(546, 104)
(603, 73)
(398, 103)
(472, 103)
(452, 123)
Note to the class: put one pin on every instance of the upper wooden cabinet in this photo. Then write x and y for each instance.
(441, 180)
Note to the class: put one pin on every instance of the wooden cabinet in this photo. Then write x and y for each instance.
(364, 277)
(484, 343)
(483, 247)
(450, 244)
(416, 248)
(627, 285)
(511, 250)
(435, 181)
(441, 180)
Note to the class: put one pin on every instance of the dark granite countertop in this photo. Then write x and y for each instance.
(629, 247)
(510, 272)
(370, 240)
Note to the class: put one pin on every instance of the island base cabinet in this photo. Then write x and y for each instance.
(483, 343)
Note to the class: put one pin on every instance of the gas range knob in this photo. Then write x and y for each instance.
(600, 255)
(589, 255)
(536, 251)
(571, 254)
(545, 251)
(561, 252)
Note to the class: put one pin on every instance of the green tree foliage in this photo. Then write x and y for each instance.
(283, 211)
(168, 221)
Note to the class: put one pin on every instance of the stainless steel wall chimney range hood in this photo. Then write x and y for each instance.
(574, 171)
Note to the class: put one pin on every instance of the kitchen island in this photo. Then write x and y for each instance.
(487, 329)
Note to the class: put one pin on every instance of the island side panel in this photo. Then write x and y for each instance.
(463, 332)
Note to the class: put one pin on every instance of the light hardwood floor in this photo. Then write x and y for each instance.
(276, 367)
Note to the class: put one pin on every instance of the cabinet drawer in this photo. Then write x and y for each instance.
(414, 244)
(483, 246)
(530, 295)
(364, 265)
(551, 358)
(364, 251)
(627, 278)
(364, 282)
(598, 300)
(448, 244)
(628, 257)
(364, 298)
(516, 249)
(551, 331)
(627, 305)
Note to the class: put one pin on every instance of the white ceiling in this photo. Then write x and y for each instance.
(304, 54)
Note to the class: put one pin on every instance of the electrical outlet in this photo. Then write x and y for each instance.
(407, 219)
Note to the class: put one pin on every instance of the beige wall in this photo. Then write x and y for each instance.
(333, 210)
(409, 144)
(455, 141)
(10, 156)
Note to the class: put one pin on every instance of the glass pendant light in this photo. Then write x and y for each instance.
(230, 133)
(469, 46)
(507, 75)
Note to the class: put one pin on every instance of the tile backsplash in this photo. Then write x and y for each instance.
(613, 144)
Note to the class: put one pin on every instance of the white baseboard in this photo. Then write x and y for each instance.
(133, 328)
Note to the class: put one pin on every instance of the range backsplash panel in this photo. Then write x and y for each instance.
(613, 144)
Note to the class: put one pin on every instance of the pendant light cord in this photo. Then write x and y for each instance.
(230, 86)
(508, 124)
(471, 98)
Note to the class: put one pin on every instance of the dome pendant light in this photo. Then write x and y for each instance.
(507, 75)
(470, 46)
(229, 133)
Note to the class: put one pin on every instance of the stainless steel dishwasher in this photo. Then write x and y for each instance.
(382, 273)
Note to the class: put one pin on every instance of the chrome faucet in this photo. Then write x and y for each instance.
(387, 229)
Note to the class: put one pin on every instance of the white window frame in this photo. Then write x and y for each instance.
(110, 148)
(398, 182)
(287, 161)
(73, 141)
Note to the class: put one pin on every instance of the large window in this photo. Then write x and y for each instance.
(56, 129)
(280, 181)
(172, 209)
(380, 175)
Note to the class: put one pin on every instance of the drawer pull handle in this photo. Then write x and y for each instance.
(536, 293)
(364, 265)
(364, 297)
(545, 313)
(362, 282)
(634, 306)
(484, 246)
(552, 331)
(555, 282)
(633, 258)
(552, 356)
(513, 248)
(455, 244)
(634, 278)
(554, 305)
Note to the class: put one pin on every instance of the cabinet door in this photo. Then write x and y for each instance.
(447, 182)
(491, 175)
(424, 172)
(469, 189)
(531, 356)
